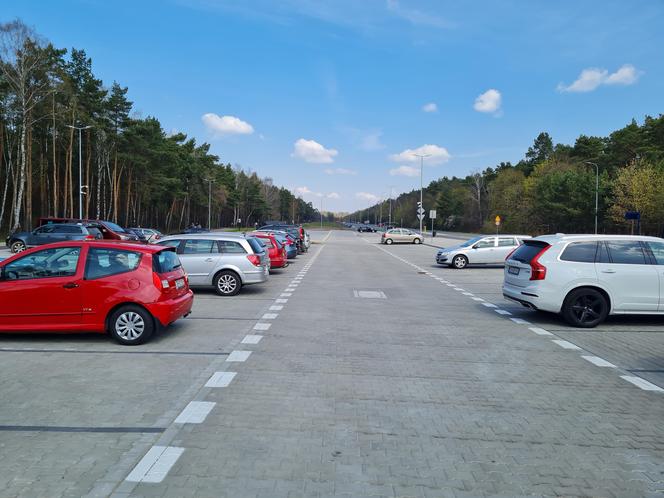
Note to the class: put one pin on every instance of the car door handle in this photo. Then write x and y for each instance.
(608, 271)
(209, 260)
(70, 285)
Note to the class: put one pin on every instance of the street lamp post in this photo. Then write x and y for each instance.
(596, 191)
(321, 212)
(80, 168)
(210, 182)
(421, 156)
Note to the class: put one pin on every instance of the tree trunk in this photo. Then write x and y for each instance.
(21, 174)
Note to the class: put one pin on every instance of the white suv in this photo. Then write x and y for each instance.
(587, 277)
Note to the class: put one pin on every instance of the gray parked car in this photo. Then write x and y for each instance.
(485, 250)
(47, 234)
(225, 261)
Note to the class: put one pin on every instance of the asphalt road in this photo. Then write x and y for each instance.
(361, 370)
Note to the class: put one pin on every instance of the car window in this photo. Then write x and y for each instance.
(197, 246)
(230, 247)
(95, 232)
(45, 229)
(506, 241)
(103, 262)
(485, 243)
(580, 252)
(48, 263)
(255, 245)
(626, 252)
(657, 249)
(170, 243)
(68, 229)
(165, 261)
(602, 253)
(116, 228)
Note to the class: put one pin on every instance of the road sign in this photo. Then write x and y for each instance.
(420, 210)
(420, 216)
(432, 214)
(498, 221)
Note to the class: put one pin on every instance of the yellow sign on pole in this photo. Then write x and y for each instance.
(497, 220)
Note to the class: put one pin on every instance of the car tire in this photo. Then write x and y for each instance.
(131, 325)
(417, 241)
(17, 246)
(585, 308)
(227, 283)
(459, 262)
(388, 241)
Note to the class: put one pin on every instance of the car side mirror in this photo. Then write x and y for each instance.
(476, 246)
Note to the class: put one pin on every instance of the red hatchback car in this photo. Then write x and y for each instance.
(275, 250)
(126, 289)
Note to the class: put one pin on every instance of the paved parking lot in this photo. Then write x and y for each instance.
(361, 370)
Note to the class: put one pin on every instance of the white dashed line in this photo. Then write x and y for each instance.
(156, 463)
(276, 307)
(459, 289)
(262, 326)
(600, 362)
(502, 312)
(540, 331)
(520, 321)
(238, 356)
(286, 294)
(489, 305)
(281, 301)
(566, 344)
(220, 379)
(467, 293)
(269, 316)
(195, 412)
(252, 339)
(478, 299)
(641, 383)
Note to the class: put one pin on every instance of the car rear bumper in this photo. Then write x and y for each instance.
(531, 297)
(255, 277)
(172, 309)
(278, 262)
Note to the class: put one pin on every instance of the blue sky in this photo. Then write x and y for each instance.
(334, 98)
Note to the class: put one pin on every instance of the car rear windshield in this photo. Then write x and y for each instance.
(114, 227)
(528, 250)
(165, 261)
(255, 245)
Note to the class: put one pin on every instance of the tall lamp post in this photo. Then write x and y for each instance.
(80, 168)
(421, 156)
(596, 191)
(321, 212)
(210, 182)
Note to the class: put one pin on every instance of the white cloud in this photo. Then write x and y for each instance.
(371, 141)
(312, 152)
(226, 125)
(489, 101)
(591, 78)
(437, 155)
(405, 171)
(340, 171)
(333, 195)
(366, 196)
(303, 190)
(416, 17)
(430, 107)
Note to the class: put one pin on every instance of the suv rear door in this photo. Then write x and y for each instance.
(517, 268)
(656, 250)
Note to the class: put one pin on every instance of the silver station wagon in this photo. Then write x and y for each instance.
(224, 261)
(483, 250)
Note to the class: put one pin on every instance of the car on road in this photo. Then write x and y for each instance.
(297, 232)
(108, 229)
(224, 261)
(127, 290)
(400, 235)
(275, 249)
(482, 250)
(365, 228)
(149, 235)
(588, 277)
(47, 234)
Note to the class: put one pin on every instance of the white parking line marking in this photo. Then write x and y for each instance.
(252, 339)
(467, 293)
(281, 301)
(502, 312)
(195, 412)
(479, 299)
(600, 362)
(220, 379)
(451, 285)
(643, 384)
(459, 289)
(286, 294)
(540, 331)
(156, 463)
(566, 344)
(276, 307)
(270, 316)
(238, 356)
(262, 326)
(520, 321)
(489, 305)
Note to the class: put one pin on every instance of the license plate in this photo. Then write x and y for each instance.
(513, 270)
(179, 283)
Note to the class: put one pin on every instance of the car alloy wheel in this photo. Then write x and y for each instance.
(17, 247)
(388, 241)
(460, 262)
(417, 241)
(131, 325)
(585, 308)
(227, 283)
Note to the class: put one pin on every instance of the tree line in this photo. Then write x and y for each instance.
(552, 189)
(133, 172)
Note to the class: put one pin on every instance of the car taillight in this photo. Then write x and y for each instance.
(537, 269)
(160, 283)
(89, 237)
(254, 259)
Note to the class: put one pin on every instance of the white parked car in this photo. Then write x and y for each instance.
(587, 277)
(485, 250)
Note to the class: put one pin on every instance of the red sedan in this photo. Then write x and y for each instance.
(125, 289)
(275, 250)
